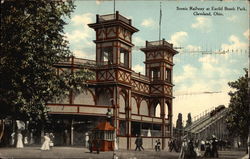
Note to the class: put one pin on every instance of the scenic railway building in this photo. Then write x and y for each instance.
(131, 97)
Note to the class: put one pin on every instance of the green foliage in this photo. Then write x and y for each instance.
(238, 117)
(32, 42)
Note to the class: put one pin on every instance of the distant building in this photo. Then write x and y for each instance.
(132, 97)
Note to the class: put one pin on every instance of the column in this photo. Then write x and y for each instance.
(128, 118)
(162, 102)
(72, 132)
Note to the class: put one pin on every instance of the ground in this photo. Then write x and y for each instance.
(82, 153)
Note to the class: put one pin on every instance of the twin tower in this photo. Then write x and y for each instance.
(135, 98)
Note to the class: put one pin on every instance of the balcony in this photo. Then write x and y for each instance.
(78, 61)
(110, 17)
(158, 43)
(140, 76)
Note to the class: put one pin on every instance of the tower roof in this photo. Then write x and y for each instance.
(159, 45)
(112, 20)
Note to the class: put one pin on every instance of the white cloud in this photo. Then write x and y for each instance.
(211, 70)
(178, 38)
(138, 41)
(84, 55)
(83, 19)
(233, 18)
(189, 72)
(203, 24)
(139, 68)
(81, 33)
(148, 22)
(208, 59)
(77, 35)
(247, 34)
(235, 44)
(193, 99)
(193, 48)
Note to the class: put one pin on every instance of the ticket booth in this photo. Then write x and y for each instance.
(103, 137)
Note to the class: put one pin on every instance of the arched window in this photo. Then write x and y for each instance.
(122, 104)
(84, 98)
(144, 108)
(104, 97)
(134, 106)
(167, 108)
(157, 110)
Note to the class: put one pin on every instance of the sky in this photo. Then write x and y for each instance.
(213, 35)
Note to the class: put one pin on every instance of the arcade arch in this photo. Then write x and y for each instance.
(144, 108)
(104, 97)
(84, 98)
(134, 106)
(122, 103)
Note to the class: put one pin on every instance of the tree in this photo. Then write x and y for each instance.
(179, 124)
(189, 120)
(32, 42)
(238, 116)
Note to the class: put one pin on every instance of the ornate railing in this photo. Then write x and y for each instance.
(116, 16)
(158, 43)
(78, 61)
(107, 17)
(138, 75)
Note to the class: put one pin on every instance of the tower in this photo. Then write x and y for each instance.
(113, 59)
(159, 66)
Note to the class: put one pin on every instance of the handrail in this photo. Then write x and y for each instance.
(78, 61)
(208, 122)
(116, 16)
(158, 43)
(202, 120)
(139, 75)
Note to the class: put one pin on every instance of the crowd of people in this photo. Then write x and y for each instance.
(191, 149)
(188, 148)
(48, 141)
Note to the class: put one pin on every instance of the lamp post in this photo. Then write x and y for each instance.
(109, 116)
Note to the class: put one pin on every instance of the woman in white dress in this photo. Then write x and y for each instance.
(184, 146)
(19, 143)
(12, 139)
(45, 145)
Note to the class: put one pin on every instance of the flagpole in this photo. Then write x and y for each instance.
(160, 23)
(114, 6)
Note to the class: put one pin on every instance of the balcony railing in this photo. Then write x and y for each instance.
(158, 43)
(140, 76)
(116, 16)
(107, 17)
(78, 61)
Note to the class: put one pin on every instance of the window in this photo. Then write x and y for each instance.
(122, 54)
(168, 75)
(135, 128)
(155, 73)
(124, 60)
(107, 55)
(122, 128)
